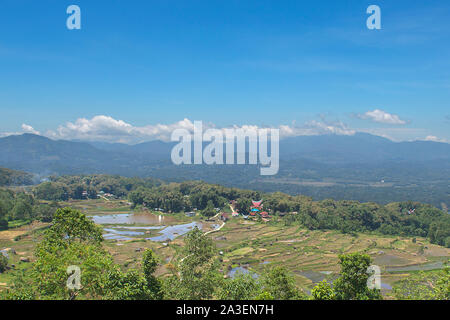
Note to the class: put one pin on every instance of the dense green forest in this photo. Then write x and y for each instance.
(22, 207)
(402, 218)
(61, 188)
(10, 177)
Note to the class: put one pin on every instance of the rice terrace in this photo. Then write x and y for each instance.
(245, 244)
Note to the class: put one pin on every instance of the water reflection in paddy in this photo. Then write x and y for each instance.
(125, 233)
(171, 232)
(118, 229)
(132, 218)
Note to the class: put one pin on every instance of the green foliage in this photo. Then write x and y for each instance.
(264, 296)
(51, 191)
(3, 263)
(127, 286)
(433, 285)
(280, 284)
(3, 224)
(352, 283)
(323, 291)
(71, 225)
(150, 263)
(20, 206)
(64, 187)
(73, 239)
(50, 270)
(243, 205)
(209, 210)
(196, 277)
(241, 287)
(22, 288)
(10, 177)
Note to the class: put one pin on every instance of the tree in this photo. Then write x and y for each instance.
(243, 205)
(22, 210)
(3, 263)
(71, 225)
(49, 271)
(209, 210)
(51, 191)
(150, 263)
(137, 196)
(352, 283)
(45, 212)
(196, 275)
(241, 287)
(323, 291)
(3, 224)
(128, 285)
(280, 284)
(72, 240)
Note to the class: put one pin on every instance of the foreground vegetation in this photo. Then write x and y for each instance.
(195, 269)
(73, 239)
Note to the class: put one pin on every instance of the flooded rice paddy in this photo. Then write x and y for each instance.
(130, 226)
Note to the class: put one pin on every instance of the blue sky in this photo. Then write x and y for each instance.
(264, 63)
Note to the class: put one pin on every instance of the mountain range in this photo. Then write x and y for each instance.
(322, 166)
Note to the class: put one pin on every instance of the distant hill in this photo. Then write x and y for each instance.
(357, 148)
(10, 177)
(362, 148)
(45, 156)
(362, 167)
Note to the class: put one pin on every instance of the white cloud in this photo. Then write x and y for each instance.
(25, 129)
(335, 127)
(381, 116)
(29, 129)
(105, 128)
(435, 139)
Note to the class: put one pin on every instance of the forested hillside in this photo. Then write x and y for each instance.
(19, 207)
(402, 218)
(10, 177)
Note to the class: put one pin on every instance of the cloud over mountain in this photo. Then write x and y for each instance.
(381, 116)
(103, 128)
(29, 129)
(108, 129)
(435, 139)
